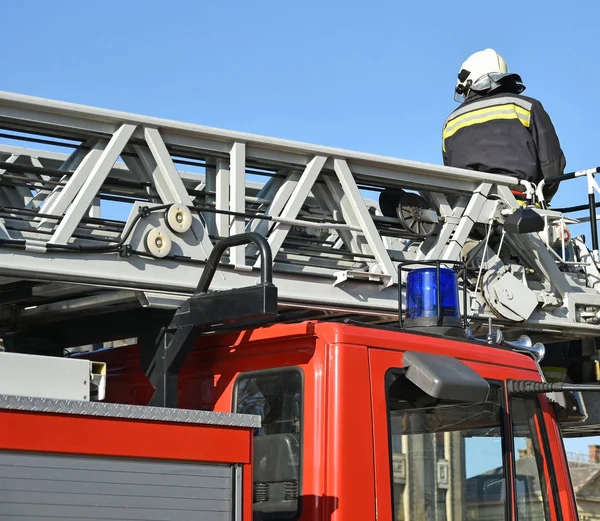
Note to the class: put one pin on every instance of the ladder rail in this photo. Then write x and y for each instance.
(63, 119)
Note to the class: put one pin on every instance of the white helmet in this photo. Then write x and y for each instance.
(484, 71)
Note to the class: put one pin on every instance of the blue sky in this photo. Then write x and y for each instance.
(376, 77)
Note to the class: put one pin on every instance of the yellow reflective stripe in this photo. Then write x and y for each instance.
(491, 102)
(487, 110)
(483, 119)
(458, 122)
(508, 111)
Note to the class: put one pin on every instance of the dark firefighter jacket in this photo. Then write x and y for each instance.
(504, 133)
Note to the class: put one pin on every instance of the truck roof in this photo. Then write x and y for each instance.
(372, 336)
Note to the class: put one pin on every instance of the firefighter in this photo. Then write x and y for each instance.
(498, 130)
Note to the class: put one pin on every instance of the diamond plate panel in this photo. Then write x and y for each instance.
(133, 412)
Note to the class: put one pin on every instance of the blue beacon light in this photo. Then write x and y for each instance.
(422, 294)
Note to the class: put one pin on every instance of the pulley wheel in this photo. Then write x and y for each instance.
(492, 299)
(388, 201)
(178, 218)
(158, 243)
(411, 208)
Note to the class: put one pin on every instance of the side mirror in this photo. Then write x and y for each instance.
(445, 378)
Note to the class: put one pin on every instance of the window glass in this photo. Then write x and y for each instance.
(276, 396)
(530, 483)
(447, 460)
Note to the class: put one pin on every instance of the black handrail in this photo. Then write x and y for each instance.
(197, 314)
(266, 267)
(570, 175)
(591, 199)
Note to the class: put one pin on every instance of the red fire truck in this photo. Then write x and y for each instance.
(202, 324)
(349, 432)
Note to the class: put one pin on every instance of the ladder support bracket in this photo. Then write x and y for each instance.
(343, 276)
(221, 307)
(203, 312)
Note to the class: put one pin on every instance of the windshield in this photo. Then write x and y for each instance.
(448, 460)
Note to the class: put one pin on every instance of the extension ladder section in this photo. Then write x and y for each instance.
(112, 214)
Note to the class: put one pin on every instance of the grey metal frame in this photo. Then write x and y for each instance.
(133, 412)
(331, 250)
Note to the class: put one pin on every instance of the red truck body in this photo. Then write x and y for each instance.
(326, 387)
(63, 459)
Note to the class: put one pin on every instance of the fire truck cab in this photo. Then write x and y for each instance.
(349, 430)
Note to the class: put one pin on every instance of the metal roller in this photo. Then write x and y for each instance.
(415, 214)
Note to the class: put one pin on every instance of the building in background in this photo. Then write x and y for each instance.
(585, 476)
